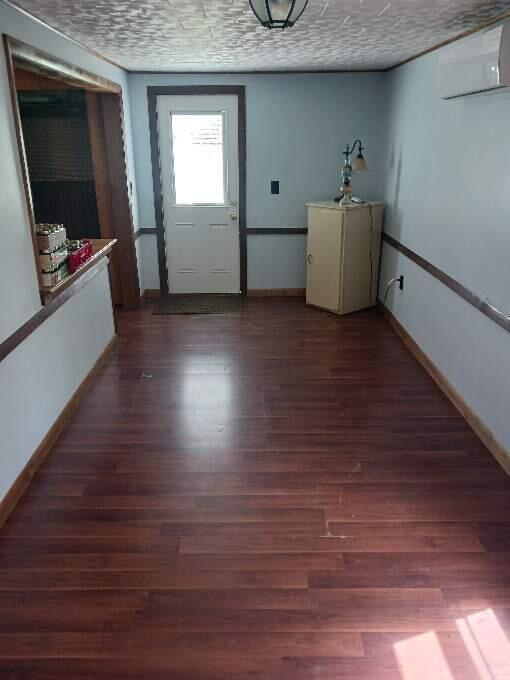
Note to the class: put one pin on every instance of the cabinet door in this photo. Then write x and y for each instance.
(358, 261)
(323, 258)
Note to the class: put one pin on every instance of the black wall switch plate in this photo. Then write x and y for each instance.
(275, 186)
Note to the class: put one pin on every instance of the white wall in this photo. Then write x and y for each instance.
(297, 126)
(447, 196)
(149, 261)
(38, 378)
(276, 261)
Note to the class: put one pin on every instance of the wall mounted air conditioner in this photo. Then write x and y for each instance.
(478, 63)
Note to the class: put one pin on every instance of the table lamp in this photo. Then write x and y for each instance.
(358, 165)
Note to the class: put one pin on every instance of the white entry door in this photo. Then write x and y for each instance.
(199, 158)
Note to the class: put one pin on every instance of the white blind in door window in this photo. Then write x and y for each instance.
(199, 161)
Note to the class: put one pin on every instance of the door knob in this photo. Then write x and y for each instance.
(233, 216)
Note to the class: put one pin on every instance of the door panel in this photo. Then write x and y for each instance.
(199, 161)
(221, 241)
(184, 252)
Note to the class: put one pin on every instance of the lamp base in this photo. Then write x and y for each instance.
(346, 191)
(355, 200)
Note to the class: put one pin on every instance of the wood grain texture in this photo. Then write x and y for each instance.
(283, 495)
(112, 112)
(102, 183)
(31, 81)
(30, 58)
(105, 114)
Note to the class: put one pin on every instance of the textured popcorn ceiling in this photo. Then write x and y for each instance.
(224, 35)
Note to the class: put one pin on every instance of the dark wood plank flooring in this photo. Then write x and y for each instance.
(283, 495)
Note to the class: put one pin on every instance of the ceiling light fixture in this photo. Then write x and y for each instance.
(278, 13)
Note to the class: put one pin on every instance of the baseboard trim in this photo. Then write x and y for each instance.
(276, 292)
(18, 488)
(500, 453)
(271, 231)
(151, 294)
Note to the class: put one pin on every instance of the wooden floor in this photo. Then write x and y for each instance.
(284, 495)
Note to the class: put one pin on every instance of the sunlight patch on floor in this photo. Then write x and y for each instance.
(487, 645)
(421, 658)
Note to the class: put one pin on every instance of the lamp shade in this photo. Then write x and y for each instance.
(278, 13)
(359, 164)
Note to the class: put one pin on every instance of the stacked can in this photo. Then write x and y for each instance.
(51, 241)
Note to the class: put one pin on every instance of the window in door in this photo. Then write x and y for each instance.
(199, 158)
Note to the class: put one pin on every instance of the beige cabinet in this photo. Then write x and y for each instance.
(343, 255)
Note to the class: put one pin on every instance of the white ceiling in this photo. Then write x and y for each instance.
(224, 35)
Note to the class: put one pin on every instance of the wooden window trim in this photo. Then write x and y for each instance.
(49, 66)
(19, 54)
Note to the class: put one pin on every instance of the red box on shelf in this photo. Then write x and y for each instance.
(78, 256)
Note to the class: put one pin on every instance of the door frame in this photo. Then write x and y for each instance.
(153, 92)
(112, 186)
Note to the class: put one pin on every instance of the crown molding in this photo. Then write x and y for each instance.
(487, 24)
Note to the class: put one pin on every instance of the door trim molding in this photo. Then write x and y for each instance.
(153, 92)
